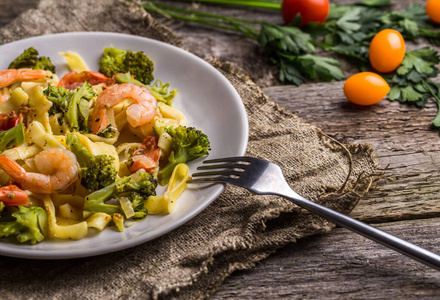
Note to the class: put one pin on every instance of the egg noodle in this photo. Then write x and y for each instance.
(123, 121)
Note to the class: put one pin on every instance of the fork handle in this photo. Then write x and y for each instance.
(420, 254)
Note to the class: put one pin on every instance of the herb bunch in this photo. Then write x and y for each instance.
(347, 32)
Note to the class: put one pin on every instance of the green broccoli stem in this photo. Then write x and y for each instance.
(269, 4)
(209, 19)
(12, 137)
(175, 158)
(95, 202)
(81, 152)
(72, 112)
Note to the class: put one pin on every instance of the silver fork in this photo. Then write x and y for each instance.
(265, 178)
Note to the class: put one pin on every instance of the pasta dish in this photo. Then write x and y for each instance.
(87, 151)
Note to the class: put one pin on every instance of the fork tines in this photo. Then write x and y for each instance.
(222, 169)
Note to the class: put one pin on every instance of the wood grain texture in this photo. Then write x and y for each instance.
(403, 139)
(338, 265)
(342, 265)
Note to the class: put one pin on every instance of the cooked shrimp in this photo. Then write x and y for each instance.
(10, 76)
(4, 95)
(58, 168)
(12, 195)
(146, 156)
(139, 113)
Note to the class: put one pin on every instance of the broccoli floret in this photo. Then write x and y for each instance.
(60, 98)
(137, 201)
(140, 182)
(73, 104)
(27, 224)
(137, 187)
(116, 61)
(188, 143)
(97, 171)
(12, 137)
(159, 90)
(108, 132)
(29, 59)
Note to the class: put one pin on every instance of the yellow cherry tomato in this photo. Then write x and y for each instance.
(387, 50)
(433, 10)
(366, 88)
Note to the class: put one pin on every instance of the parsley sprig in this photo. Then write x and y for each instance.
(347, 32)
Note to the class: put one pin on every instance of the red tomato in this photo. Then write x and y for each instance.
(433, 10)
(387, 50)
(10, 120)
(365, 88)
(12, 195)
(311, 11)
(146, 156)
(73, 80)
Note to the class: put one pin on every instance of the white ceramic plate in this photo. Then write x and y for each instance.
(206, 97)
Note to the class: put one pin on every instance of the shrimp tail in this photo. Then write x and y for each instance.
(12, 168)
(100, 120)
(10, 76)
(28, 181)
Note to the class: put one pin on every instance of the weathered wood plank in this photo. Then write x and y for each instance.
(342, 265)
(401, 135)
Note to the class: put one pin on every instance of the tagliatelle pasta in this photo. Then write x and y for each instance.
(79, 178)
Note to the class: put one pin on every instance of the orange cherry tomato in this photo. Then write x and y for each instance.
(433, 10)
(365, 88)
(387, 50)
(311, 11)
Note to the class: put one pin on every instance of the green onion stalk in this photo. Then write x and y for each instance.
(268, 4)
(208, 19)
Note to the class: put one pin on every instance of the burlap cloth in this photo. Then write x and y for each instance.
(237, 230)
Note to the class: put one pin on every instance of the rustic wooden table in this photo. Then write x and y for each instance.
(339, 264)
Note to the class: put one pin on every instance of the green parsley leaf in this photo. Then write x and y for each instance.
(433, 36)
(321, 68)
(422, 60)
(434, 89)
(287, 38)
(349, 21)
(410, 79)
(289, 72)
(407, 94)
